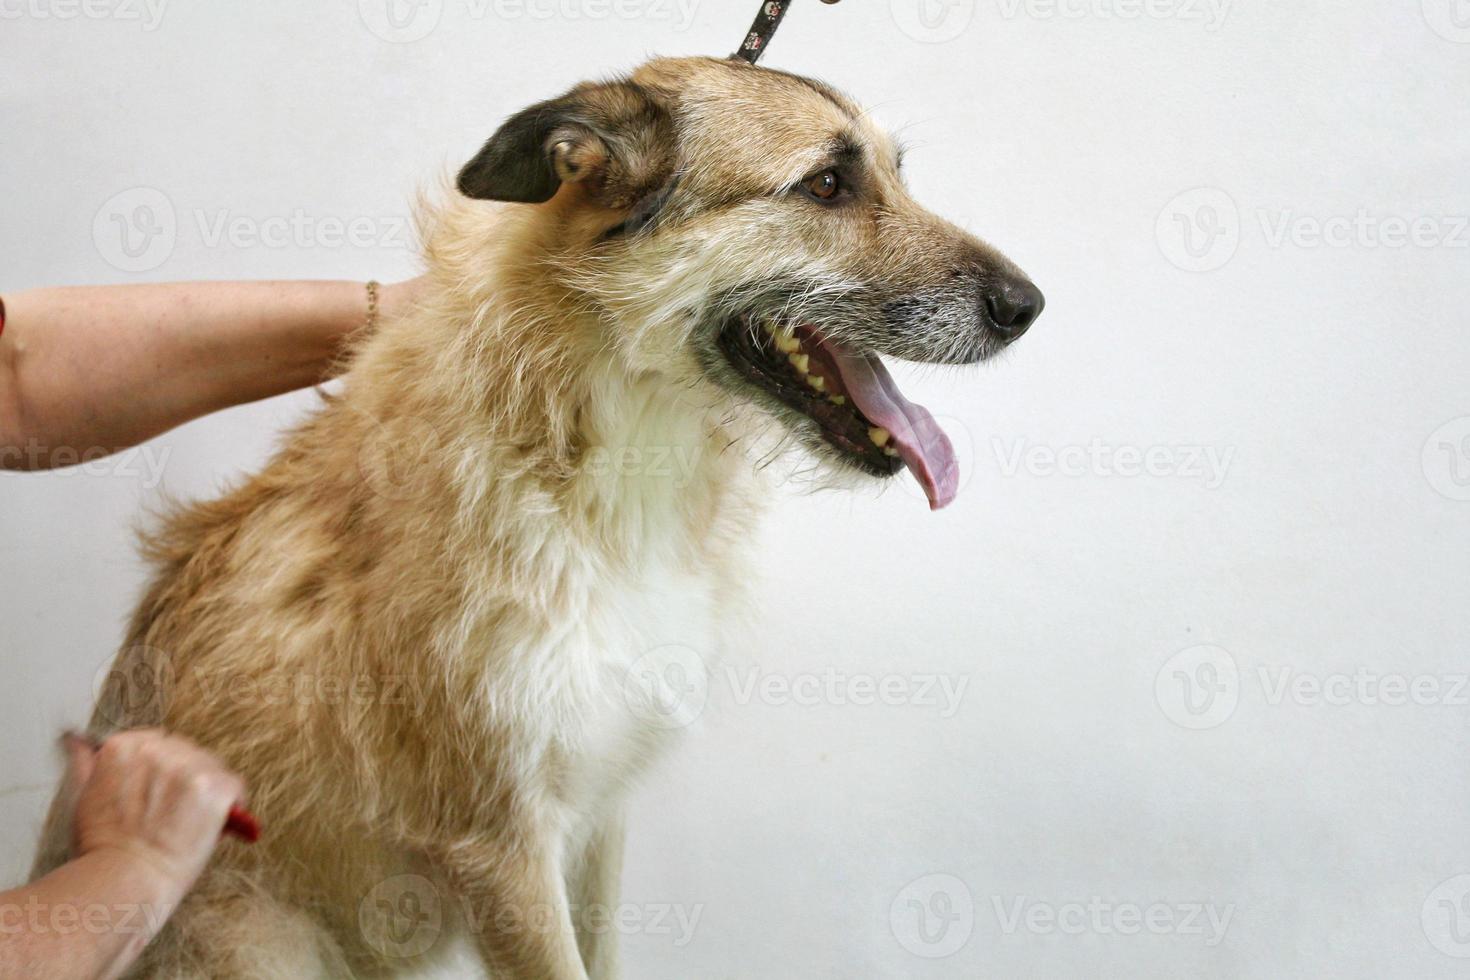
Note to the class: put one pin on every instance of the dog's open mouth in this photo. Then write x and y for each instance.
(851, 397)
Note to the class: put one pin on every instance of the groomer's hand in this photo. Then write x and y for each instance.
(149, 810)
(158, 798)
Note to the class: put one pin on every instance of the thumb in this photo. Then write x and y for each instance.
(81, 759)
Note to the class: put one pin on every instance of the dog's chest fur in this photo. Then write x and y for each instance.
(646, 643)
(645, 591)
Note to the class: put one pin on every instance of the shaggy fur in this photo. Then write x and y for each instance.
(414, 632)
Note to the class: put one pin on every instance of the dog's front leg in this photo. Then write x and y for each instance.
(594, 889)
(516, 902)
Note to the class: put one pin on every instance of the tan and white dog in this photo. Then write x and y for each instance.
(412, 633)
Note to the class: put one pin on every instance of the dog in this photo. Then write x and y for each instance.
(413, 632)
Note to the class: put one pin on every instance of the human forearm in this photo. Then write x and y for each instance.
(87, 919)
(94, 369)
(147, 818)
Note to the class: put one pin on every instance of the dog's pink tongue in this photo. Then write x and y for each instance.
(921, 443)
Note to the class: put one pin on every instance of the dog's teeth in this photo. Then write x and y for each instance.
(880, 436)
(786, 342)
(889, 451)
(799, 361)
(837, 399)
(817, 381)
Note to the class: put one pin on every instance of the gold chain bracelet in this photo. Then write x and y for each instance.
(371, 323)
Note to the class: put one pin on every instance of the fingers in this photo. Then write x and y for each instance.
(170, 760)
(186, 773)
(157, 794)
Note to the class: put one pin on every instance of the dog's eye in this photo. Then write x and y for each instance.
(824, 186)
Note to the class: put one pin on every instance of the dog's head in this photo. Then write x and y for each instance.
(752, 228)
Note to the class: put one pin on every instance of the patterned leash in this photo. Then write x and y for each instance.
(763, 29)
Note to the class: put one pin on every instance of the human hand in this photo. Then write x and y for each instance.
(153, 797)
(398, 297)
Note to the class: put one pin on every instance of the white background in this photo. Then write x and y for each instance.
(1095, 757)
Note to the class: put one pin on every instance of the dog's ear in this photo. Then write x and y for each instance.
(612, 138)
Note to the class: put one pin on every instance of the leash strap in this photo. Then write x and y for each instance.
(763, 29)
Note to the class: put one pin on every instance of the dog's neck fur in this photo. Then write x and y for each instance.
(555, 456)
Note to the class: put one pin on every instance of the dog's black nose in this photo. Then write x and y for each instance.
(1014, 305)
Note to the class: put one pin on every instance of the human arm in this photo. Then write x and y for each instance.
(98, 369)
(149, 811)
